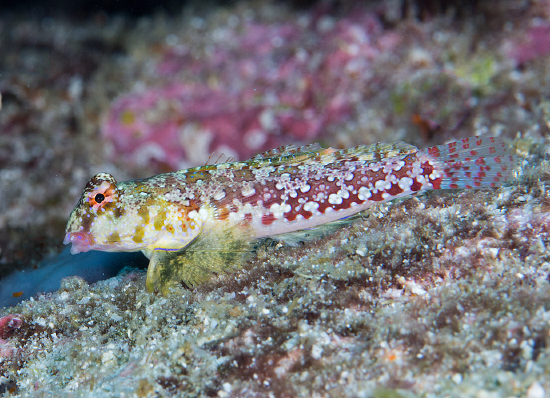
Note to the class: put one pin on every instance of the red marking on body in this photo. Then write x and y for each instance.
(294, 204)
(376, 197)
(427, 168)
(223, 213)
(434, 151)
(248, 217)
(268, 219)
(480, 161)
(452, 147)
(436, 183)
(346, 203)
(399, 174)
(404, 171)
(323, 206)
(291, 215)
(415, 185)
(394, 190)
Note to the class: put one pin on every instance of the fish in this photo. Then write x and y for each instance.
(201, 221)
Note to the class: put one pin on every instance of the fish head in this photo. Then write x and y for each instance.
(128, 216)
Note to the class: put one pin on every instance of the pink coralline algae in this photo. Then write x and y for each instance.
(536, 43)
(8, 325)
(258, 87)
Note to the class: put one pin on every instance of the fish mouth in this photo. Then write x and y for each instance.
(81, 241)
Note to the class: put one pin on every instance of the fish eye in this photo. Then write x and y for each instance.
(99, 198)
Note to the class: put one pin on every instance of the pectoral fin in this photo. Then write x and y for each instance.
(218, 250)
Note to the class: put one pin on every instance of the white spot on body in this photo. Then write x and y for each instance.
(380, 185)
(405, 183)
(311, 206)
(262, 174)
(388, 166)
(248, 190)
(364, 193)
(282, 181)
(278, 210)
(435, 175)
(399, 165)
(334, 199)
(219, 195)
(416, 169)
(320, 197)
(305, 188)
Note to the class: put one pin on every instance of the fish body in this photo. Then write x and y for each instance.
(196, 221)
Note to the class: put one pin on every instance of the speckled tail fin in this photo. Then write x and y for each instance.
(475, 162)
(219, 250)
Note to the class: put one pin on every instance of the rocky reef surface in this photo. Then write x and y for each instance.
(442, 294)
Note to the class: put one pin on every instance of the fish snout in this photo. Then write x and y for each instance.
(81, 241)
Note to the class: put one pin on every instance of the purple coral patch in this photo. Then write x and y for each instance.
(258, 87)
(536, 43)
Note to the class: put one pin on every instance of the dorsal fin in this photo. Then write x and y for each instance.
(221, 158)
(378, 151)
(287, 150)
(288, 154)
(294, 155)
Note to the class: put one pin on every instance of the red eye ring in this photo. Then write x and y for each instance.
(100, 198)
(100, 192)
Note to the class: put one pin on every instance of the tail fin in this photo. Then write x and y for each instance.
(475, 162)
